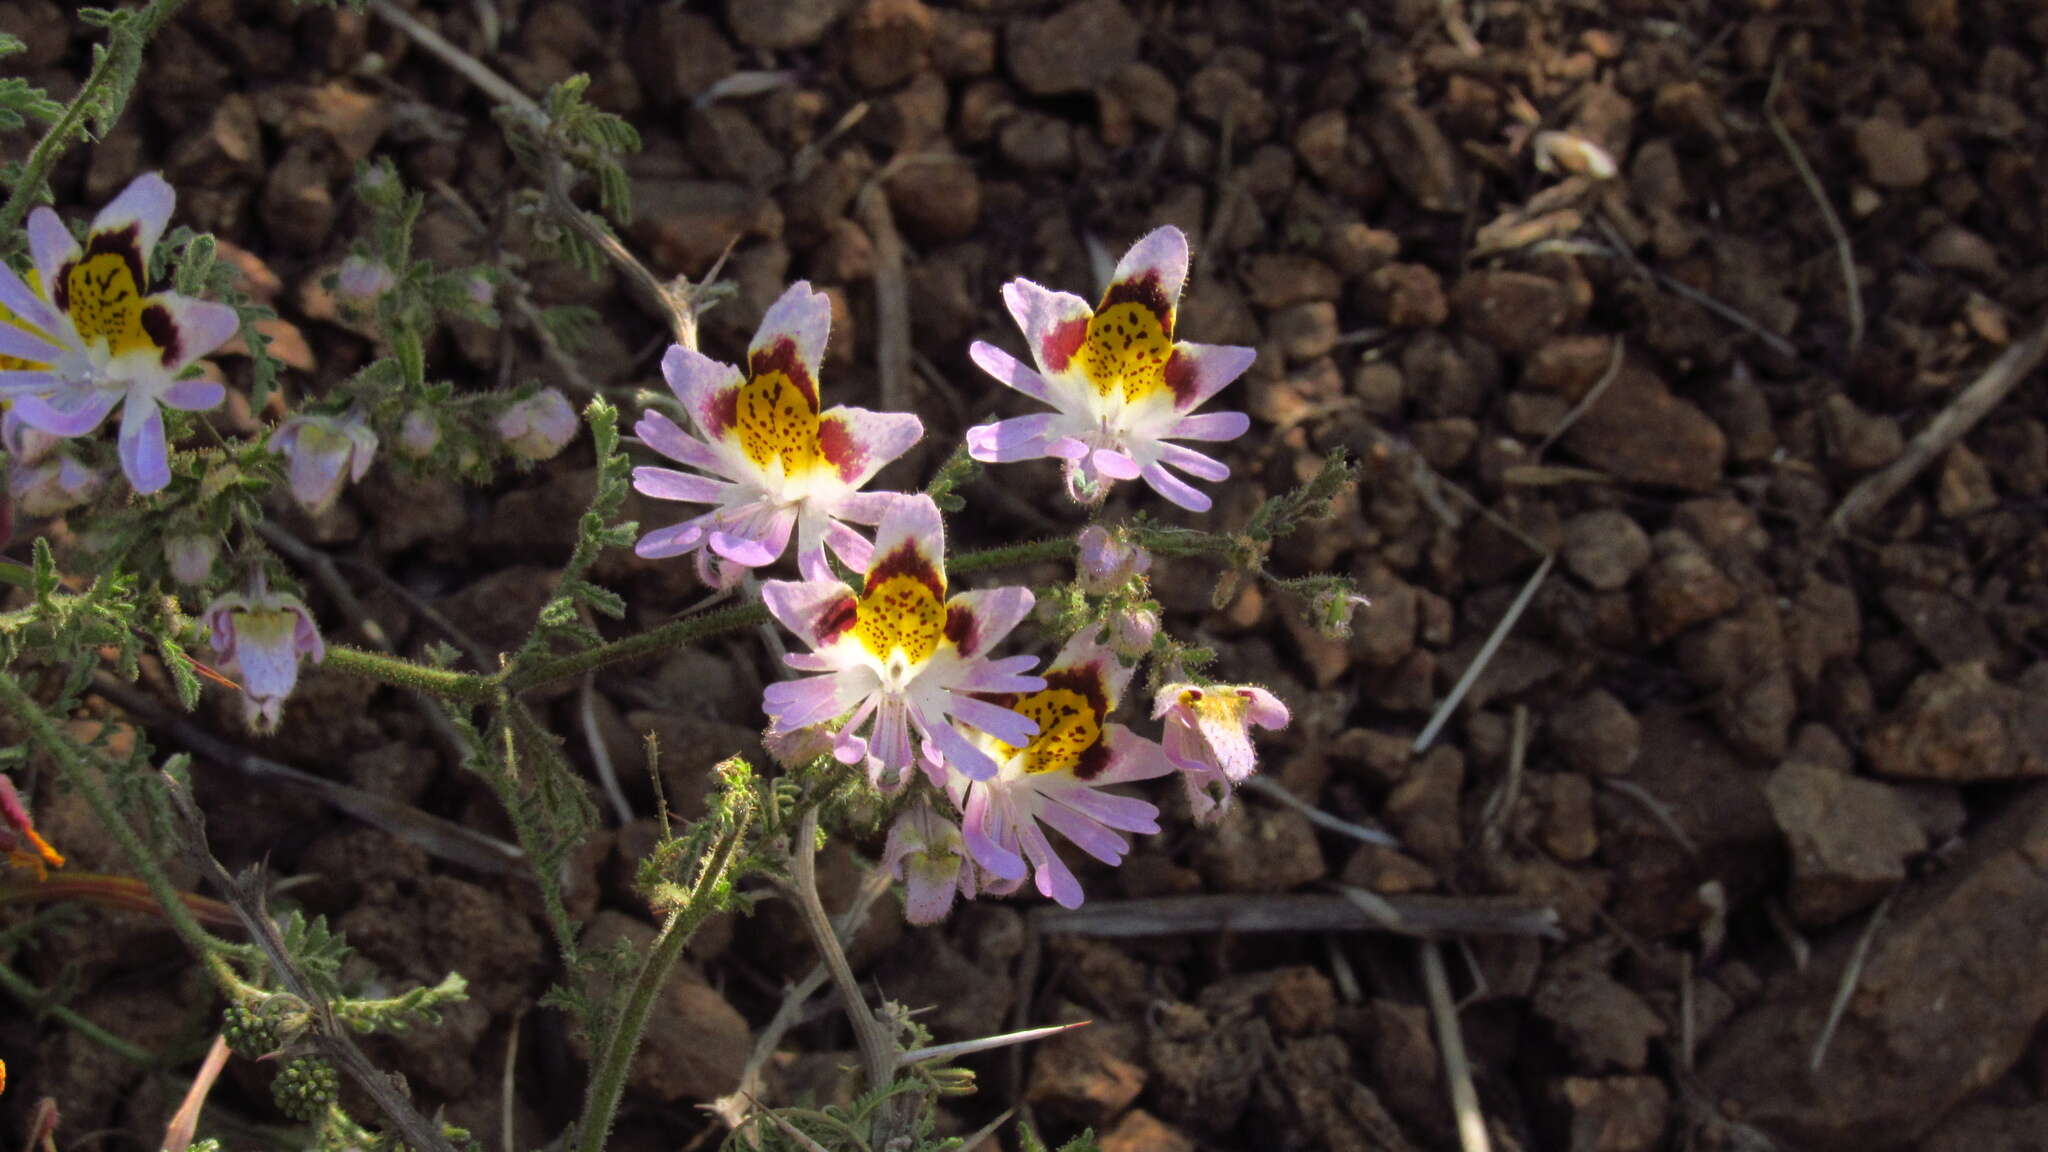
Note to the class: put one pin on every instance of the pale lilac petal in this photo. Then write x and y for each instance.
(807, 607)
(1125, 813)
(195, 395)
(669, 484)
(1171, 487)
(866, 508)
(990, 838)
(1005, 441)
(1114, 464)
(1011, 727)
(72, 413)
(1054, 323)
(889, 741)
(928, 896)
(991, 614)
(1131, 757)
(859, 443)
(198, 326)
(667, 437)
(913, 521)
(28, 381)
(1011, 372)
(1001, 676)
(306, 636)
(1193, 463)
(24, 345)
(959, 752)
(1054, 879)
(26, 303)
(50, 244)
(697, 380)
(1162, 252)
(146, 204)
(809, 700)
(1265, 709)
(1085, 834)
(144, 456)
(1067, 448)
(1198, 371)
(757, 541)
(1210, 426)
(674, 540)
(851, 547)
(802, 317)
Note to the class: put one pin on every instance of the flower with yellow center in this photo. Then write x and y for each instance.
(1057, 777)
(769, 460)
(900, 656)
(1119, 382)
(1208, 737)
(262, 635)
(88, 335)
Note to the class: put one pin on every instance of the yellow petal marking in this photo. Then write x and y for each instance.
(1068, 726)
(104, 301)
(901, 614)
(1126, 352)
(777, 421)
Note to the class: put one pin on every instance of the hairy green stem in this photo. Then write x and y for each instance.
(471, 687)
(37, 1000)
(72, 764)
(35, 171)
(622, 1041)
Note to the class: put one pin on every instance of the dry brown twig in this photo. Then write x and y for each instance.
(1450, 1042)
(1972, 404)
(1852, 975)
(1844, 254)
(1347, 910)
(184, 1123)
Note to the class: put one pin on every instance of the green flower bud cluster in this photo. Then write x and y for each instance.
(305, 1088)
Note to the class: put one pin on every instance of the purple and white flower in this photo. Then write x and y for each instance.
(768, 460)
(1056, 778)
(261, 635)
(190, 555)
(1119, 383)
(926, 852)
(899, 657)
(88, 335)
(320, 451)
(1208, 737)
(360, 281)
(539, 426)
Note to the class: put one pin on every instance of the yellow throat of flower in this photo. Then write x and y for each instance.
(103, 301)
(778, 421)
(1068, 727)
(1126, 352)
(900, 614)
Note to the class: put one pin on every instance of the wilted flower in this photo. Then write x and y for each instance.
(320, 451)
(901, 656)
(1103, 563)
(1121, 386)
(925, 851)
(1208, 737)
(88, 335)
(24, 846)
(190, 557)
(360, 281)
(1056, 777)
(782, 464)
(264, 634)
(539, 426)
(419, 433)
(55, 485)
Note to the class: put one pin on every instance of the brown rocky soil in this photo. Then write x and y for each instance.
(1745, 738)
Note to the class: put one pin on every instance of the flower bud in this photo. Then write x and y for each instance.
(419, 433)
(539, 426)
(190, 557)
(1131, 632)
(1104, 563)
(361, 281)
(481, 291)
